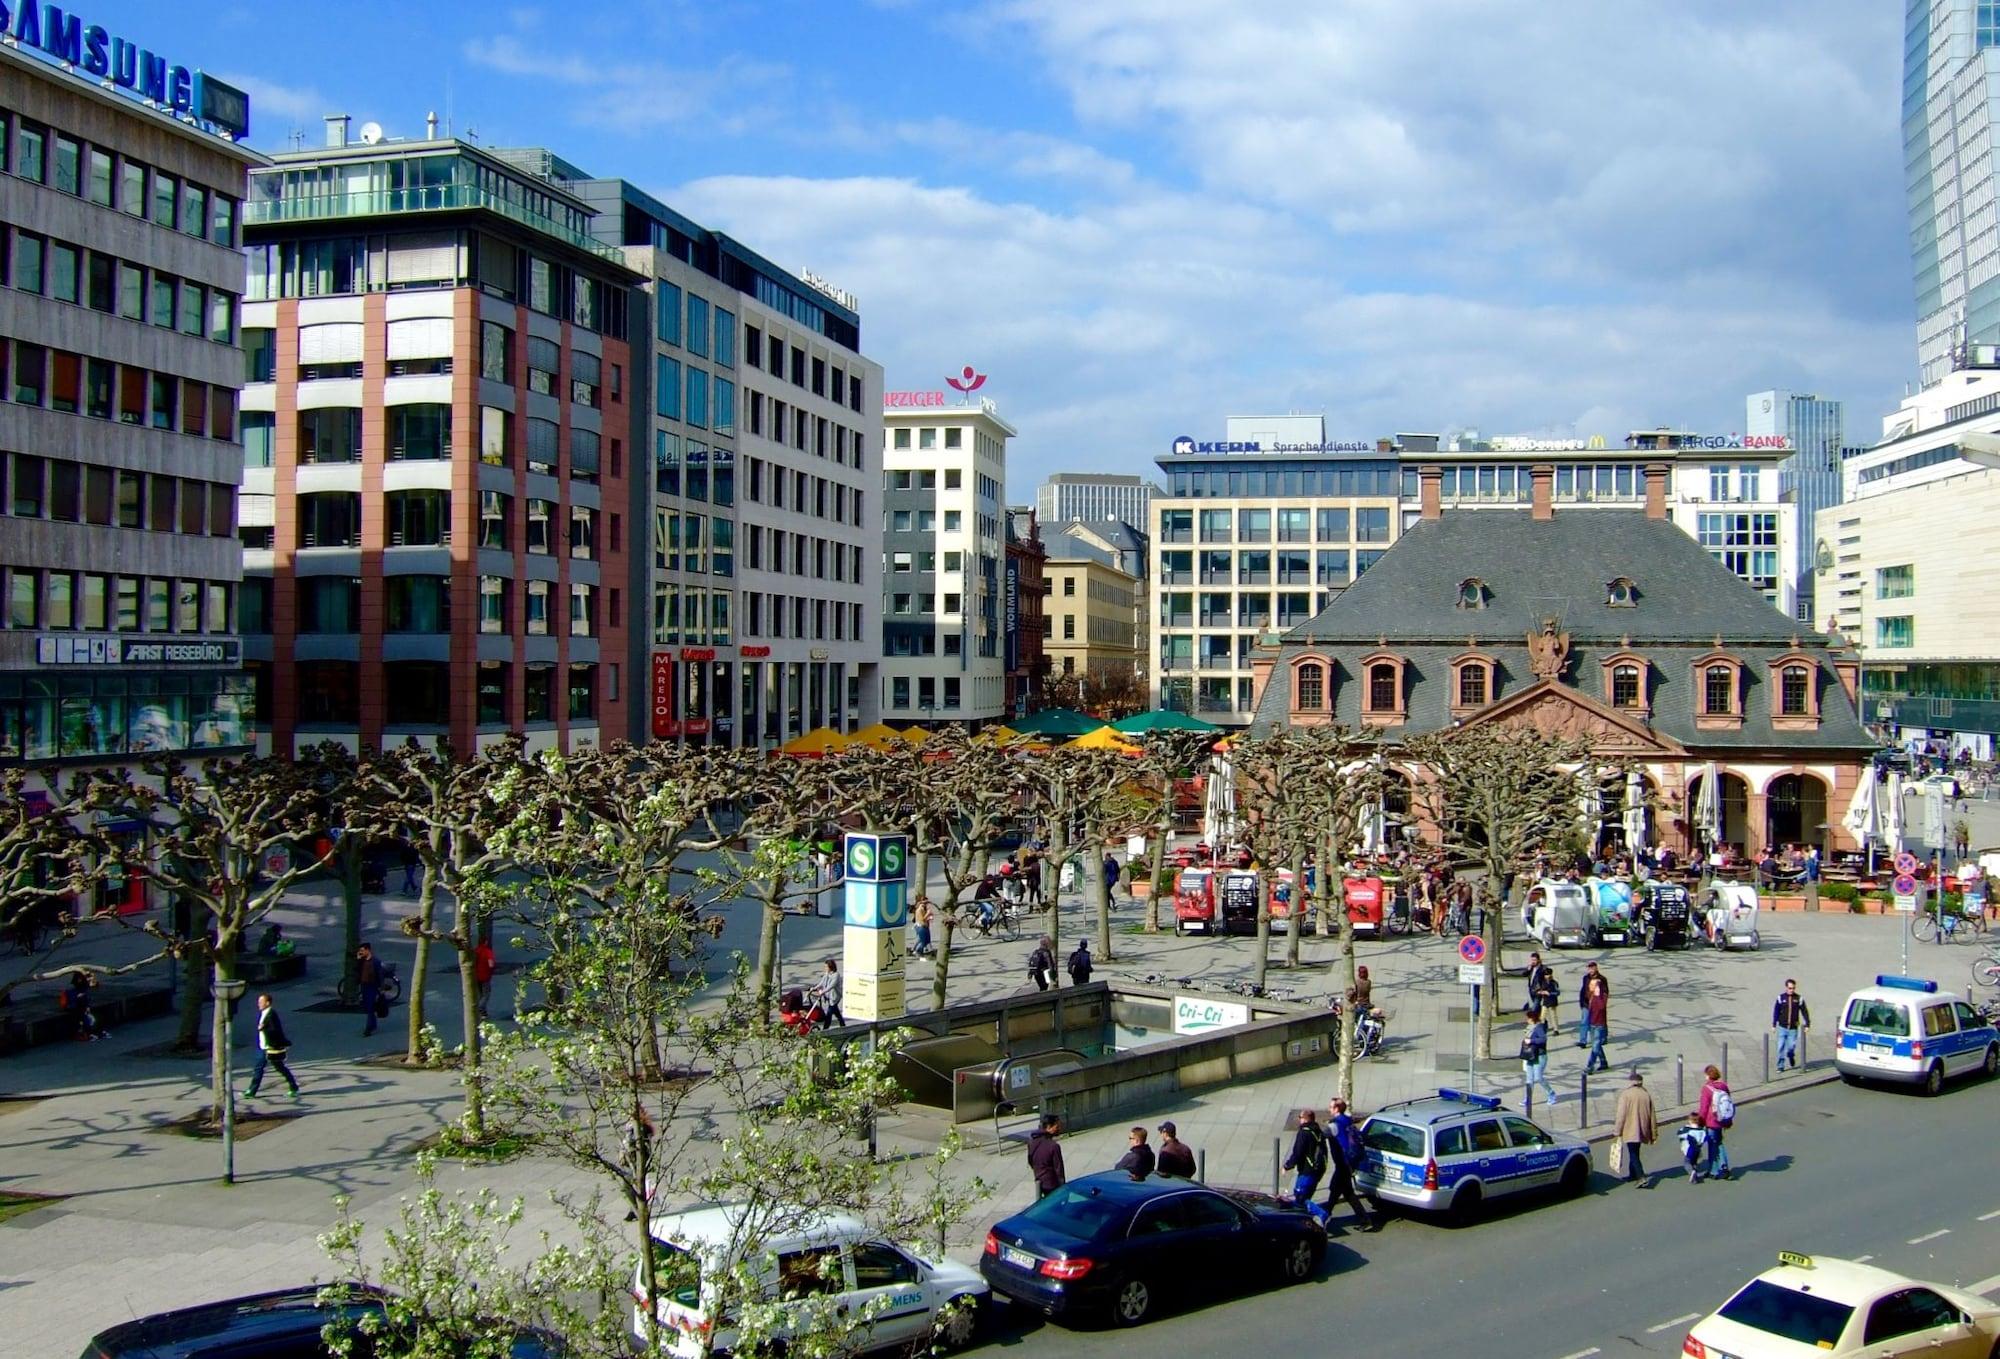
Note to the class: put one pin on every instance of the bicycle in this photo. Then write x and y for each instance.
(1250, 989)
(1986, 971)
(390, 987)
(1945, 925)
(1004, 918)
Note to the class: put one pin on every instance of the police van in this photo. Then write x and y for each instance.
(1905, 1029)
(1452, 1151)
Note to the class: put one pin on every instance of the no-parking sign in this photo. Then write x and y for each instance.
(1471, 949)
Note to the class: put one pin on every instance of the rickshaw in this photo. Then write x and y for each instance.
(1729, 915)
(1614, 911)
(1365, 898)
(1559, 914)
(1194, 900)
(1664, 915)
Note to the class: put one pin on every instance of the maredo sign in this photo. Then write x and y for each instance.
(663, 694)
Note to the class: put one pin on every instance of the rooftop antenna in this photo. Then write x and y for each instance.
(447, 104)
(297, 137)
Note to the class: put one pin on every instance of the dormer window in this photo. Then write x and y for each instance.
(1474, 682)
(1718, 689)
(1718, 692)
(1625, 691)
(1621, 593)
(1471, 686)
(1626, 686)
(1384, 689)
(1472, 593)
(1309, 686)
(1795, 692)
(1794, 683)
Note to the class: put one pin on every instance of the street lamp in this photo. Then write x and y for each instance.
(227, 993)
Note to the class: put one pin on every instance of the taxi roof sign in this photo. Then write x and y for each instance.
(1794, 1259)
(1907, 984)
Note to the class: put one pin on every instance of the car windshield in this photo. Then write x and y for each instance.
(1393, 1139)
(1786, 1312)
(1878, 1016)
(1074, 1210)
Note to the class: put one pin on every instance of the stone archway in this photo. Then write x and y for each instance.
(1735, 809)
(1795, 811)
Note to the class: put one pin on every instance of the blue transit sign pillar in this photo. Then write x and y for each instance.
(877, 898)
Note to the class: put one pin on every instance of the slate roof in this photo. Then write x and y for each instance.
(1533, 569)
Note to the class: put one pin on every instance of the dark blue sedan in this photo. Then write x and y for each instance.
(1110, 1243)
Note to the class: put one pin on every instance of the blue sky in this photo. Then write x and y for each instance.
(1140, 216)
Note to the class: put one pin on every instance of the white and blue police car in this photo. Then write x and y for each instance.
(1452, 1151)
(1907, 1030)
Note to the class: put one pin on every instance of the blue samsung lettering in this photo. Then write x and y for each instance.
(6, 17)
(153, 77)
(62, 35)
(95, 61)
(29, 33)
(124, 64)
(182, 85)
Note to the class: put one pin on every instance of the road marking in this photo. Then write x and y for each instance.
(1669, 1325)
(1988, 1217)
(1863, 1259)
(1985, 1286)
(1584, 1354)
(1932, 1236)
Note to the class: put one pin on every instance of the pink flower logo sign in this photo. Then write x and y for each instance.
(968, 381)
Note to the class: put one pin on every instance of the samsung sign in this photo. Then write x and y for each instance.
(1185, 446)
(95, 51)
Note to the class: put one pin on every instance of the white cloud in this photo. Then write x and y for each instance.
(276, 109)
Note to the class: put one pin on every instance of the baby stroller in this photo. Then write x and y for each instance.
(796, 1014)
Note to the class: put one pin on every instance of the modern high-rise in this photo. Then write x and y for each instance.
(1951, 87)
(762, 559)
(1095, 497)
(120, 285)
(944, 475)
(437, 497)
(1810, 478)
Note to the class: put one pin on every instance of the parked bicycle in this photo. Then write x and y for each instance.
(1944, 926)
(1986, 971)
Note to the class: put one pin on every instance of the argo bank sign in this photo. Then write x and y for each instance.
(92, 49)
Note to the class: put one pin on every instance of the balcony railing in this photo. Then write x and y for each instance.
(429, 198)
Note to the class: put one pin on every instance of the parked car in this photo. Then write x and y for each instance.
(1453, 1151)
(919, 1299)
(1908, 1030)
(286, 1324)
(1109, 1243)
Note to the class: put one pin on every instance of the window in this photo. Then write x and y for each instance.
(582, 610)
(1895, 582)
(29, 252)
(419, 518)
(1371, 525)
(493, 592)
(492, 693)
(1620, 594)
(495, 508)
(667, 388)
(538, 694)
(1897, 631)
(132, 188)
(1718, 689)
(62, 275)
(539, 514)
(583, 693)
(697, 325)
(1472, 593)
(495, 443)
(1309, 687)
(1625, 692)
(68, 165)
(419, 433)
(417, 604)
(1794, 691)
(582, 532)
(543, 449)
(1908, 1312)
(330, 435)
(494, 359)
(1382, 687)
(1472, 684)
(1253, 526)
(538, 607)
(31, 153)
(544, 365)
(327, 604)
(166, 198)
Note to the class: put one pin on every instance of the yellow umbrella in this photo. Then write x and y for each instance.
(880, 736)
(996, 736)
(1104, 738)
(818, 741)
(916, 736)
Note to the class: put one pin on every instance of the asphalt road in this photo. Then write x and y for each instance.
(1879, 1175)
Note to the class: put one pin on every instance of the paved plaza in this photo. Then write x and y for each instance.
(147, 1224)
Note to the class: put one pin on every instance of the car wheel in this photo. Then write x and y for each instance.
(1465, 1204)
(1756, 941)
(1301, 1258)
(1934, 1078)
(1991, 1066)
(954, 1326)
(1851, 1079)
(1575, 1177)
(1131, 1302)
(1652, 941)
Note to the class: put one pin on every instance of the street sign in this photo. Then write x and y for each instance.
(1471, 949)
(1905, 885)
(1471, 974)
(277, 862)
(1906, 862)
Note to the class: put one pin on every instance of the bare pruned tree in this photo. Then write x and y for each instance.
(50, 860)
(1171, 756)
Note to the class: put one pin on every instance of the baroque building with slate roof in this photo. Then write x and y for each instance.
(1615, 626)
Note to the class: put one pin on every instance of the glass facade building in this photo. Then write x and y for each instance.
(1810, 478)
(1951, 79)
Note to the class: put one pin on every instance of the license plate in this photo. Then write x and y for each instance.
(1020, 1258)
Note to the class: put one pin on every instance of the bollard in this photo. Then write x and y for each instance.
(1201, 1166)
(1583, 1101)
(1276, 1157)
(1528, 1103)
(1767, 1057)
(1804, 1033)
(1725, 1063)
(1680, 1079)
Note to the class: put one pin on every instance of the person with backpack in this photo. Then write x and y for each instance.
(1718, 1114)
(1308, 1158)
(1535, 1062)
(1343, 1148)
(1080, 963)
(1042, 963)
(1543, 993)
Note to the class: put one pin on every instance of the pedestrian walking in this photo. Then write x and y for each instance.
(922, 912)
(484, 965)
(1594, 1010)
(1342, 1147)
(272, 1045)
(1635, 1125)
(1693, 1137)
(1176, 1157)
(368, 973)
(1535, 1062)
(75, 999)
(1542, 991)
(828, 992)
(1718, 1115)
(1045, 1158)
(1307, 1160)
(1110, 878)
(1080, 963)
(411, 863)
(1042, 963)
(1138, 1158)
(1790, 1017)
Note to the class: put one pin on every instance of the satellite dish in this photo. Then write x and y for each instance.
(371, 133)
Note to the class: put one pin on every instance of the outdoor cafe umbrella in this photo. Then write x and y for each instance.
(1892, 813)
(1057, 722)
(815, 743)
(1162, 719)
(1708, 806)
(1635, 811)
(1104, 738)
(1218, 813)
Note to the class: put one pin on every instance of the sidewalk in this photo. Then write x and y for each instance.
(149, 1226)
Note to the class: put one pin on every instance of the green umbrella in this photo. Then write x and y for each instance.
(1057, 722)
(1162, 720)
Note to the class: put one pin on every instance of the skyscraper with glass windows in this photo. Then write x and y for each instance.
(1810, 477)
(1951, 78)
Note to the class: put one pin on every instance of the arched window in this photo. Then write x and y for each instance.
(1794, 691)
(1471, 685)
(1718, 690)
(1382, 696)
(1309, 687)
(1625, 692)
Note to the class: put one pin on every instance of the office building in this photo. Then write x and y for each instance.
(944, 473)
(1810, 478)
(1951, 86)
(1026, 589)
(1091, 626)
(1095, 497)
(761, 566)
(120, 366)
(1129, 549)
(1249, 541)
(1905, 571)
(437, 500)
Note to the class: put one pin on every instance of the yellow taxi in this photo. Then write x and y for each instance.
(1817, 1305)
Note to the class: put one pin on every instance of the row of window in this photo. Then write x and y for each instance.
(693, 470)
(926, 480)
(1184, 610)
(54, 268)
(1356, 524)
(695, 543)
(1287, 478)
(695, 334)
(814, 373)
(79, 493)
(805, 617)
(49, 716)
(111, 179)
(1259, 566)
(419, 693)
(785, 488)
(422, 432)
(802, 554)
(804, 431)
(86, 601)
(543, 359)
(687, 400)
(74, 384)
(691, 615)
(331, 605)
(927, 691)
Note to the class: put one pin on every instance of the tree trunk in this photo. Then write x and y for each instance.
(1494, 933)
(772, 918)
(1103, 906)
(219, 1038)
(194, 966)
(350, 906)
(474, 1121)
(1347, 1015)
(413, 989)
(1162, 832)
(1058, 854)
(947, 924)
(1295, 918)
(1263, 929)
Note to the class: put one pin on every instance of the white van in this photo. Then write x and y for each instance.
(827, 1253)
(1905, 1029)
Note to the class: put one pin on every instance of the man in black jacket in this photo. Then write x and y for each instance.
(272, 1045)
(1045, 1156)
(1308, 1158)
(1542, 991)
(1789, 1016)
(1138, 1158)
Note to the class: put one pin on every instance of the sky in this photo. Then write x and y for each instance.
(1139, 217)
